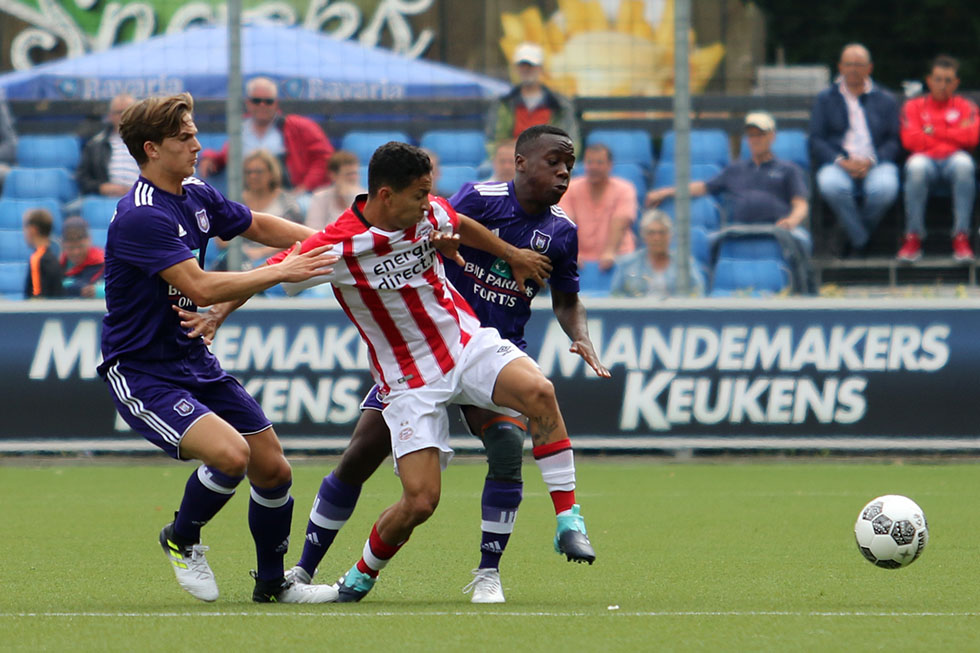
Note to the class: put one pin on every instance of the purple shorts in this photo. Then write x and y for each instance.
(161, 400)
(371, 401)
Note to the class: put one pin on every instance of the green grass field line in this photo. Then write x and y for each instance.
(717, 556)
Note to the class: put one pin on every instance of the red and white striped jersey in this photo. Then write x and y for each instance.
(393, 287)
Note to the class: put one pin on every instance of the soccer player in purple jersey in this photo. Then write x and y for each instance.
(167, 385)
(524, 214)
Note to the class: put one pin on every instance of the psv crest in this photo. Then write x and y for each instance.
(202, 220)
(540, 241)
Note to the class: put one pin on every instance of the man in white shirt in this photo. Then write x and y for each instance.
(106, 167)
(854, 143)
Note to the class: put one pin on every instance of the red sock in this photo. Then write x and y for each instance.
(563, 500)
(376, 553)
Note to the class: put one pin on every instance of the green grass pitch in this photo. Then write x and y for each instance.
(742, 556)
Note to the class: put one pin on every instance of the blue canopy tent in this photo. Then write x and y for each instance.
(307, 65)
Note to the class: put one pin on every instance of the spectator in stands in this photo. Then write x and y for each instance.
(43, 271)
(436, 173)
(503, 161)
(328, 203)
(530, 102)
(604, 208)
(762, 190)
(854, 144)
(940, 130)
(651, 271)
(263, 192)
(106, 167)
(263, 189)
(298, 142)
(82, 263)
(8, 142)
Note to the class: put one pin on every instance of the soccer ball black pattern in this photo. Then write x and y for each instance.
(891, 531)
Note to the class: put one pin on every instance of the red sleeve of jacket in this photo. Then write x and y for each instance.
(220, 158)
(964, 133)
(307, 152)
(913, 138)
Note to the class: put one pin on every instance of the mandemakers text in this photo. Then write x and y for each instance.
(757, 374)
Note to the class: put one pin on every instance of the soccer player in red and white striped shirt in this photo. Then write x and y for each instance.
(425, 344)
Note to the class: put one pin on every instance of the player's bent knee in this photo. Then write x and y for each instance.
(421, 506)
(504, 442)
(231, 460)
(540, 397)
(273, 473)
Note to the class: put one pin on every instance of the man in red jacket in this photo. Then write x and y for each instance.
(939, 130)
(297, 142)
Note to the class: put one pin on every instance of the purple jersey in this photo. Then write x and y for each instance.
(486, 281)
(151, 231)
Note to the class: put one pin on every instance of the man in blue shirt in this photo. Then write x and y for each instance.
(760, 190)
(524, 214)
(166, 384)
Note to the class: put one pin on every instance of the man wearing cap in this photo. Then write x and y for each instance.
(854, 145)
(529, 103)
(762, 189)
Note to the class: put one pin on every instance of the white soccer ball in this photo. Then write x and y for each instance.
(891, 531)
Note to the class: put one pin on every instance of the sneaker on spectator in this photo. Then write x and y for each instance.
(961, 247)
(912, 248)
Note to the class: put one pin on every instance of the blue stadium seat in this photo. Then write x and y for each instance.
(452, 178)
(707, 146)
(705, 212)
(13, 276)
(634, 173)
(212, 140)
(36, 183)
(49, 151)
(98, 210)
(750, 248)
(363, 144)
(593, 281)
(752, 277)
(13, 247)
(461, 147)
(789, 145)
(701, 247)
(664, 174)
(98, 236)
(12, 211)
(626, 145)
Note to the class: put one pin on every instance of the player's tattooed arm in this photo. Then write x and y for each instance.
(571, 316)
(524, 263)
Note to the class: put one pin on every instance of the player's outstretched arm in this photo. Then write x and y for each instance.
(209, 288)
(571, 316)
(524, 263)
(274, 231)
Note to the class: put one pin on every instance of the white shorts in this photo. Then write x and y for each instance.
(417, 417)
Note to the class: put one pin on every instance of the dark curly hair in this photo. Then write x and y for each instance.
(396, 165)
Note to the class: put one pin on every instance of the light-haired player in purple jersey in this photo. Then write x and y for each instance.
(524, 214)
(166, 384)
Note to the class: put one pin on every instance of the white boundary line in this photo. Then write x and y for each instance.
(611, 612)
(581, 442)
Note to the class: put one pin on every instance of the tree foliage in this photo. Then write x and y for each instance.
(902, 35)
